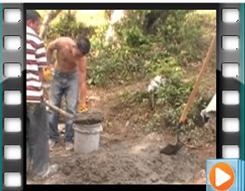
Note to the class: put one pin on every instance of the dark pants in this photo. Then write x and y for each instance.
(63, 84)
(37, 138)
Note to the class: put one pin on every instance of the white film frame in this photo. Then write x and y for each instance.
(12, 44)
(230, 70)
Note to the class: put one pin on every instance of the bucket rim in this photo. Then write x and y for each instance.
(90, 130)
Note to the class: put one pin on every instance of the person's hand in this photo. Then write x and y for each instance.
(82, 108)
(45, 95)
(47, 74)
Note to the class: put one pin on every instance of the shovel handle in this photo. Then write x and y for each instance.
(198, 80)
(55, 108)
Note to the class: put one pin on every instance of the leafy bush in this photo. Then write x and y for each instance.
(174, 92)
(68, 26)
(174, 96)
(149, 43)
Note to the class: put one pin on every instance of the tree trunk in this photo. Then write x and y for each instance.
(152, 18)
(50, 16)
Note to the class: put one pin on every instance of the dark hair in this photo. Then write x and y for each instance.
(83, 45)
(32, 15)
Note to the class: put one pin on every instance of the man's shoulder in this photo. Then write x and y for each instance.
(32, 37)
(66, 39)
(64, 42)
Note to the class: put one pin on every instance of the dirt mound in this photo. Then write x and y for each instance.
(135, 161)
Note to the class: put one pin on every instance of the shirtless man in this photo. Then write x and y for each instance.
(69, 75)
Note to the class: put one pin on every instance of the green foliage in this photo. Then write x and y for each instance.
(135, 98)
(67, 25)
(174, 92)
(149, 43)
(172, 95)
(170, 103)
(115, 63)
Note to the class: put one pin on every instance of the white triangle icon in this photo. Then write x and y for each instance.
(221, 177)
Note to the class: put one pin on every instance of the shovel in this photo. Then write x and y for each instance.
(171, 149)
(88, 117)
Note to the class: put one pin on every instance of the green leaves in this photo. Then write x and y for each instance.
(67, 25)
(175, 39)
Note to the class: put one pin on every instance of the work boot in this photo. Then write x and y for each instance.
(50, 171)
(69, 146)
(52, 144)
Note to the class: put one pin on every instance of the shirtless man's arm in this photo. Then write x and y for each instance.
(52, 46)
(82, 80)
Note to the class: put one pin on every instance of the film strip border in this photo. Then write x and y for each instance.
(228, 57)
(12, 93)
(242, 80)
(13, 115)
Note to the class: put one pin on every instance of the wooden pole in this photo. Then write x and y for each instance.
(192, 96)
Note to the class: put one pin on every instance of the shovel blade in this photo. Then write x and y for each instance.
(171, 149)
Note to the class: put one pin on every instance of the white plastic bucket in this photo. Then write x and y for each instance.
(87, 137)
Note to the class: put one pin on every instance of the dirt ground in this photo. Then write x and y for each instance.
(127, 155)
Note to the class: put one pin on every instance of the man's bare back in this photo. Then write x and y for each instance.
(67, 55)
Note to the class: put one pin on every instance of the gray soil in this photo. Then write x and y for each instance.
(130, 160)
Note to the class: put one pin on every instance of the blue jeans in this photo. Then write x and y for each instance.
(63, 84)
(37, 150)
